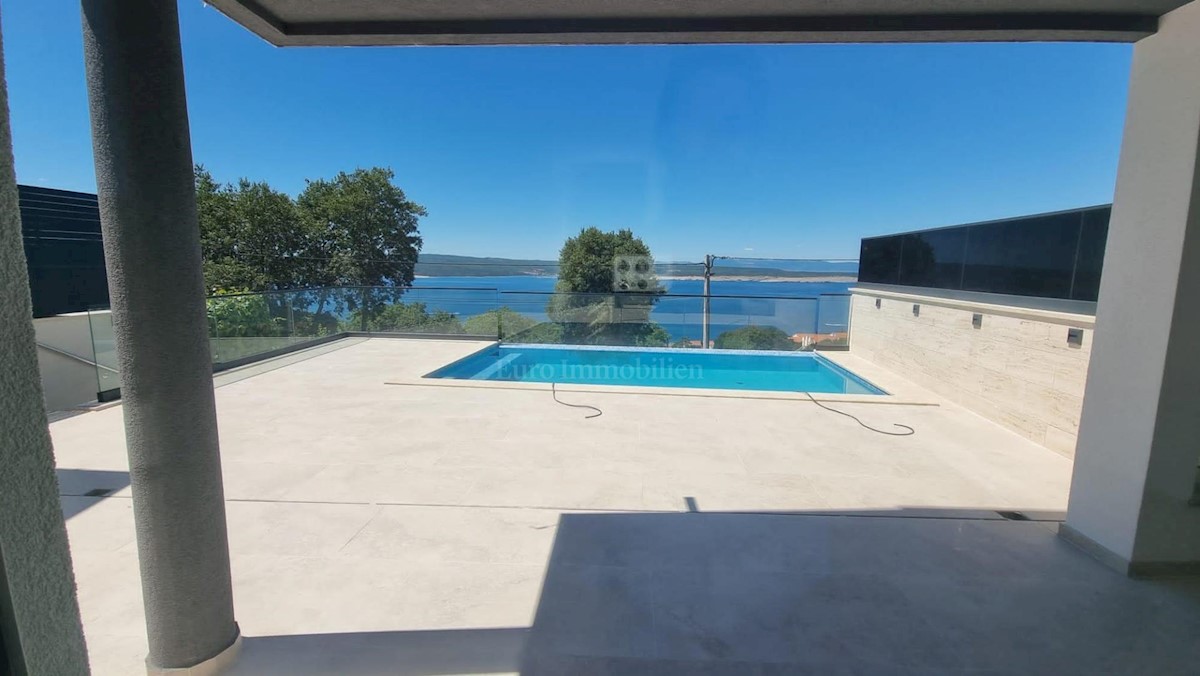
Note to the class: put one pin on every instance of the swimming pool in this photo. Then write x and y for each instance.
(717, 369)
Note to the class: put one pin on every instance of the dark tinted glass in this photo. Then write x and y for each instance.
(1090, 260)
(933, 259)
(879, 260)
(1029, 257)
(1052, 256)
(63, 250)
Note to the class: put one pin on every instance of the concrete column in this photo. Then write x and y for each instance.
(40, 631)
(152, 250)
(1139, 437)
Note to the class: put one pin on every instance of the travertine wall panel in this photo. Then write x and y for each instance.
(1017, 369)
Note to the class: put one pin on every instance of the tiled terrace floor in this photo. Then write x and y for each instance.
(421, 530)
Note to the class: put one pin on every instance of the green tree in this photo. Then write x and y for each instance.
(501, 322)
(242, 315)
(356, 229)
(363, 228)
(588, 307)
(755, 338)
(251, 236)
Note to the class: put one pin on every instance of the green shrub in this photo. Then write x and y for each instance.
(545, 333)
(755, 338)
(502, 322)
(406, 318)
(241, 316)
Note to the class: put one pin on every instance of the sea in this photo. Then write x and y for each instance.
(791, 306)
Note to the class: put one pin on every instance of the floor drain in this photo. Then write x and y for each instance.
(99, 492)
(1013, 516)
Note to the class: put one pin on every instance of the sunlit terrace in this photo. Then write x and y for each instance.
(994, 472)
(380, 522)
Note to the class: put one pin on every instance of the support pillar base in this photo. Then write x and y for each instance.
(214, 666)
(1134, 569)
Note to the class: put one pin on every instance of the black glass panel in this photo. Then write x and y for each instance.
(1090, 260)
(1028, 257)
(63, 250)
(933, 259)
(1051, 256)
(879, 260)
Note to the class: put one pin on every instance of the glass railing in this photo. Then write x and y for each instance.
(104, 347)
(248, 326)
(677, 320)
(447, 311)
(241, 326)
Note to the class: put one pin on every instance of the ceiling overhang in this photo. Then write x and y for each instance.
(501, 22)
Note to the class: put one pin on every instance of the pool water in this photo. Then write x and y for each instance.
(716, 369)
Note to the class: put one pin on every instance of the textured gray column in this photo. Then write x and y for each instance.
(39, 619)
(152, 249)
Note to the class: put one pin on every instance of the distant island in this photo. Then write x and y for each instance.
(445, 265)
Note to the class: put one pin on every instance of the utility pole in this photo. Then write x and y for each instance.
(708, 266)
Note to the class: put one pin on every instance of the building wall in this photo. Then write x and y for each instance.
(63, 249)
(39, 616)
(1138, 448)
(1016, 369)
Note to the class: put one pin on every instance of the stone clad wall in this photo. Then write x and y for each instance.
(1016, 369)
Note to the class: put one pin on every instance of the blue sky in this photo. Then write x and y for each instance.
(775, 151)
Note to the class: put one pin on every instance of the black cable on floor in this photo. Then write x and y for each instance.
(597, 413)
(909, 433)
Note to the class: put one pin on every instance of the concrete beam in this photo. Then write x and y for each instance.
(152, 251)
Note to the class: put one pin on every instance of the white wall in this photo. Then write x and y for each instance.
(1139, 440)
(1016, 369)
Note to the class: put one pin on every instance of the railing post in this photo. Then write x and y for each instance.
(362, 310)
(708, 264)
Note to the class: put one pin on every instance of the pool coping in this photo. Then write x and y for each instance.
(896, 390)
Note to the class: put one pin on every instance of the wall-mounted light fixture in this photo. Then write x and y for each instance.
(977, 320)
(916, 310)
(878, 303)
(1075, 337)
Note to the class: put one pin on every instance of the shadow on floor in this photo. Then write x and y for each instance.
(407, 653)
(82, 488)
(714, 594)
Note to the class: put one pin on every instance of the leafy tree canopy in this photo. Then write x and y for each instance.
(251, 236)
(588, 307)
(363, 227)
(585, 262)
(356, 229)
(755, 338)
